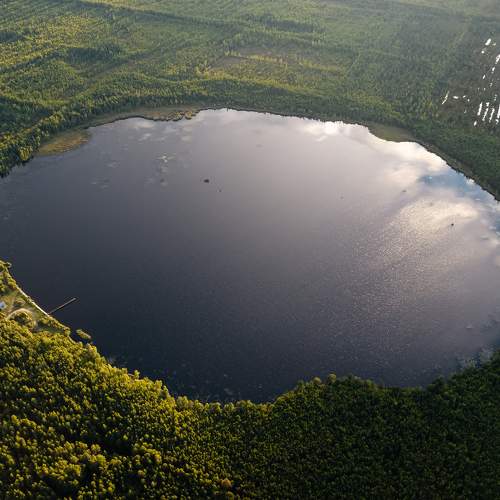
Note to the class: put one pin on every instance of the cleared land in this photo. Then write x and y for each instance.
(16, 306)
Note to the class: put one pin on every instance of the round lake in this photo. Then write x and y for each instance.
(236, 253)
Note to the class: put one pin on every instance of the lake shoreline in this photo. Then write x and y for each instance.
(73, 138)
(116, 151)
(13, 293)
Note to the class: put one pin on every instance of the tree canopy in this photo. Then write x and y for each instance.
(425, 65)
(74, 426)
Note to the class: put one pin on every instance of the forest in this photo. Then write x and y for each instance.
(419, 64)
(74, 426)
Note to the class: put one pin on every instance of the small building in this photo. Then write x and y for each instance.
(3, 305)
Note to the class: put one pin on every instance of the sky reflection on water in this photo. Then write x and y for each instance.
(313, 248)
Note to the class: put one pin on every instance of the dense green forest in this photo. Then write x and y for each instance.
(74, 426)
(418, 64)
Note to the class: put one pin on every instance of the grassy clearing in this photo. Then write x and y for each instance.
(391, 133)
(19, 307)
(72, 139)
(65, 141)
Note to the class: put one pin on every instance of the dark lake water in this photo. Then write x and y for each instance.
(314, 248)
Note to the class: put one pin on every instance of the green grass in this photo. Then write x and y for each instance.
(65, 141)
(19, 306)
